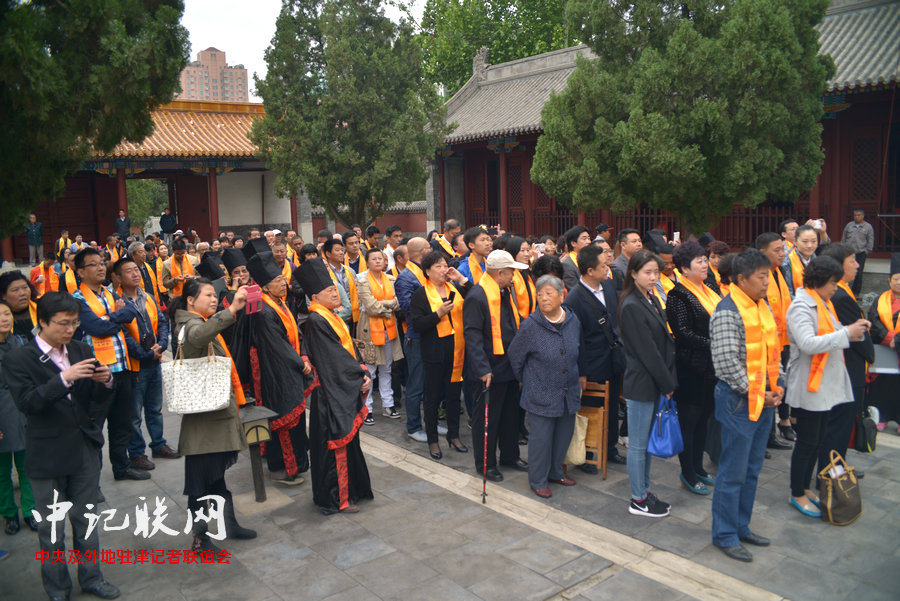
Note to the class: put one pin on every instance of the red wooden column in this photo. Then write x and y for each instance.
(7, 246)
(294, 213)
(504, 186)
(582, 218)
(213, 202)
(121, 190)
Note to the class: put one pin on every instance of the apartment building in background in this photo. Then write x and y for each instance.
(210, 77)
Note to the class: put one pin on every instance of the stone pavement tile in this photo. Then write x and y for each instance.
(676, 535)
(578, 500)
(312, 528)
(439, 587)
(452, 509)
(541, 553)
(389, 574)
(310, 580)
(516, 583)
(357, 593)
(246, 586)
(427, 541)
(418, 491)
(870, 593)
(492, 530)
(628, 585)
(578, 569)
(476, 562)
(348, 551)
(390, 519)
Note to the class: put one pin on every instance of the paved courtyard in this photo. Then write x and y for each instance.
(428, 536)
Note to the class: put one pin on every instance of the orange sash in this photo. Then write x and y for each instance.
(446, 246)
(159, 276)
(492, 291)
(362, 262)
(797, 268)
(177, 268)
(51, 280)
(779, 299)
(354, 295)
(62, 244)
(132, 327)
(824, 313)
(104, 346)
(886, 315)
(113, 254)
(71, 283)
(843, 286)
(384, 329)
(763, 350)
(152, 279)
(725, 288)
(287, 320)
(446, 326)
(286, 270)
(706, 295)
(475, 269)
(236, 387)
(337, 324)
(667, 283)
(526, 296)
(573, 256)
(417, 271)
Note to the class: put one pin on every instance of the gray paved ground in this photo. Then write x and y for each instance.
(419, 541)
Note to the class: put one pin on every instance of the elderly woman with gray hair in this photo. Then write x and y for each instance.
(544, 357)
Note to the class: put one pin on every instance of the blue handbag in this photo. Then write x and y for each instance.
(665, 434)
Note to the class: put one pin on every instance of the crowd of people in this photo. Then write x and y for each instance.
(513, 336)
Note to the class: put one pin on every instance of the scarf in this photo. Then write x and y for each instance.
(450, 325)
(667, 283)
(573, 256)
(113, 254)
(62, 243)
(526, 296)
(383, 329)
(763, 350)
(779, 299)
(725, 288)
(886, 315)
(797, 268)
(71, 282)
(337, 324)
(236, 387)
(104, 346)
(707, 297)
(417, 271)
(287, 320)
(446, 246)
(177, 268)
(351, 283)
(475, 269)
(492, 291)
(843, 286)
(51, 280)
(362, 262)
(134, 364)
(824, 313)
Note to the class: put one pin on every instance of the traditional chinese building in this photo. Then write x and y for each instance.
(483, 172)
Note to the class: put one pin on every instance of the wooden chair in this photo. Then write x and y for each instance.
(596, 440)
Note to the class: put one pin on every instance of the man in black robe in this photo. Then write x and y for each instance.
(266, 350)
(340, 477)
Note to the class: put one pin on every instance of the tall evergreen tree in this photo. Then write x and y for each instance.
(350, 118)
(688, 107)
(76, 76)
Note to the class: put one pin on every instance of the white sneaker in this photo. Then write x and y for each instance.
(418, 436)
(390, 412)
(442, 430)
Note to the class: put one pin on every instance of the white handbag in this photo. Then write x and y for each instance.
(196, 385)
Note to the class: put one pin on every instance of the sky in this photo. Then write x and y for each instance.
(243, 35)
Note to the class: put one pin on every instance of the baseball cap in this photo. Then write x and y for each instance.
(500, 259)
(276, 232)
(603, 227)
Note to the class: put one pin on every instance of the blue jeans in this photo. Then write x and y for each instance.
(147, 399)
(415, 384)
(640, 419)
(743, 451)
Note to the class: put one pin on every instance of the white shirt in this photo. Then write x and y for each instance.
(389, 253)
(598, 293)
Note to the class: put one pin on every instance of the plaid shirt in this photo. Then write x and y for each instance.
(121, 363)
(728, 345)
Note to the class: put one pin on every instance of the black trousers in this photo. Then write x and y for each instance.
(120, 421)
(194, 505)
(695, 402)
(503, 424)
(840, 425)
(437, 387)
(398, 378)
(811, 427)
(857, 281)
(784, 410)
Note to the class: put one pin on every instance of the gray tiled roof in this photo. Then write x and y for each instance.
(863, 38)
(861, 35)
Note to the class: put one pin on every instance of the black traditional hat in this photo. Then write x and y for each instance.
(262, 268)
(233, 258)
(255, 247)
(895, 264)
(656, 243)
(210, 267)
(313, 276)
(705, 239)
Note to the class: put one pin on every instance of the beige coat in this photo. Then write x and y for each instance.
(368, 307)
(215, 431)
(167, 280)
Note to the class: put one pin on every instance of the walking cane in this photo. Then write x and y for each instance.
(487, 402)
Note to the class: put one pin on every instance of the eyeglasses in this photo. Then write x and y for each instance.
(67, 325)
(90, 265)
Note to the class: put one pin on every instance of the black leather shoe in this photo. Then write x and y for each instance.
(493, 474)
(787, 432)
(774, 443)
(738, 552)
(100, 496)
(12, 525)
(755, 539)
(587, 468)
(859, 473)
(103, 589)
(59, 597)
(520, 465)
(31, 523)
(620, 459)
(768, 455)
(131, 473)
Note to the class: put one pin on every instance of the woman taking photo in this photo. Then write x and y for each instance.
(817, 379)
(544, 357)
(209, 441)
(435, 311)
(378, 326)
(649, 373)
(689, 306)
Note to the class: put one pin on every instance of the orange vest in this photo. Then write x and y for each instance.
(104, 346)
(177, 269)
(383, 329)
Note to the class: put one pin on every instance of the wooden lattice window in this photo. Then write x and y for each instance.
(514, 184)
(865, 169)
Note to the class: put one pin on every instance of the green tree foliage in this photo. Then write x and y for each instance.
(146, 198)
(350, 117)
(689, 107)
(454, 31)
(77, 75)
